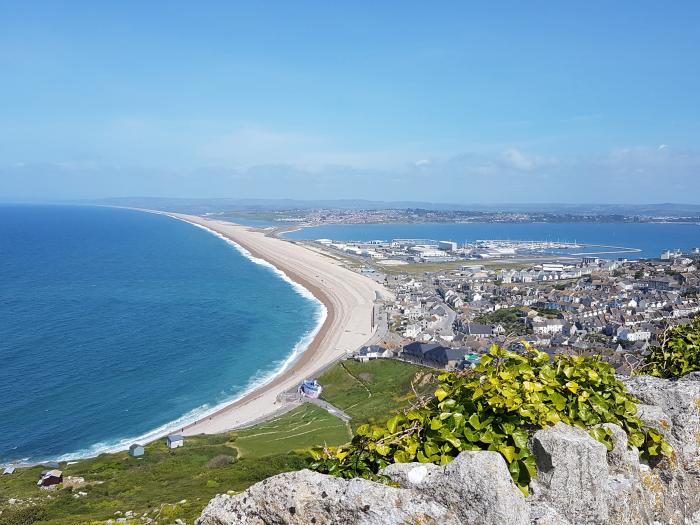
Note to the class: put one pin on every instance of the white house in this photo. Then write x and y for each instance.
(549, 326)
(412, 313)
(626, 334)
(175, 441)
(412, 330)
(367, 353)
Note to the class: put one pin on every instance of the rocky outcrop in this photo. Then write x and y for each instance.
(572, 473)
(579, 482)
(305, 497)
(672, 407)
(476, 486)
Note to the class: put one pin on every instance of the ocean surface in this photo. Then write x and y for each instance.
(118, 324)
(650, 238)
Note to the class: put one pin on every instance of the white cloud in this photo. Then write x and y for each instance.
(518, 160)
(633, 174)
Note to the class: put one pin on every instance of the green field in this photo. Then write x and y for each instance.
(301, 428)
(169, 484)
(421, 268)
(369, 392)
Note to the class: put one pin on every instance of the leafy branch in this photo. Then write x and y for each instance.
(498, 406)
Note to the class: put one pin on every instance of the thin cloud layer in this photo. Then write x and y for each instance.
(625, 175)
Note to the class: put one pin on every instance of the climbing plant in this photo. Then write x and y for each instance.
(497, 406)
(677, 354)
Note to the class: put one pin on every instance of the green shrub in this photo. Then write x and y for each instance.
(23, 515)
(678, 354)
(222, 460)
(498, 406)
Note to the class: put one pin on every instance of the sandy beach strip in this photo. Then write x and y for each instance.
(349, 300)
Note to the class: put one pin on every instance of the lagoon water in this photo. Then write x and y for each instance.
(650, 238)
(116, 323)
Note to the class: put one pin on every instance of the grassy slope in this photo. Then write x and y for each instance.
(118, 482)
(371, 391)
(162, 478)
(303, 427)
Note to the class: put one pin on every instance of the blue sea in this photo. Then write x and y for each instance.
(650, 238)
(116, 325)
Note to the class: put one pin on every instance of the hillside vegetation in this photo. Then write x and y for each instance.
(678, 353)
(498, 406)
(168, 484)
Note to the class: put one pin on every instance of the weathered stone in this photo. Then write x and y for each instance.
(579, 482)
(572, 473)
(654, 417)
(692, 376)
(307, 497)
(679, 401)
(622, 459)
(411, 475)
(543, 514)
(627, 501)
(476, 485)
(672, 487)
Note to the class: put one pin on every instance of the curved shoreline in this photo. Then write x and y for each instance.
(300, 347)
(254, 403)
(348, 298)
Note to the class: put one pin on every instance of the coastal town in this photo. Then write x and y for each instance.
(452, 303)
(368, 212)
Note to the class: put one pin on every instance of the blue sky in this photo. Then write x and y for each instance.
(453, 101)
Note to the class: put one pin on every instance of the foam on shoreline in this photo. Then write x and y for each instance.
(257, 381)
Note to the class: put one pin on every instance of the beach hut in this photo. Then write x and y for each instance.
(136, 450)
(50, 478)
(310, 388)
(8, 470)
(175, 441)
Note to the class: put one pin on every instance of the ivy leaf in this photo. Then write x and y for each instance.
(508, 452)
(558, 400)
(393, 423)
(435, 424)
(362, 430)
(430, 448)
(474, 421)
(383, 449)
(401, 456)
(441, 394)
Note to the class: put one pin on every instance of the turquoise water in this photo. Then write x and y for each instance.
(117, 323)
(650, 238)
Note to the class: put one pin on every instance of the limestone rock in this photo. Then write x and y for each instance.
(543, 514)
(307, 497)
(622, 459)
(677, 405)
(476, 485)
(572, 473)
(579, 482)
(412, 475)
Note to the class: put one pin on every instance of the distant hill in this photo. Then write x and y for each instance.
(227, 204)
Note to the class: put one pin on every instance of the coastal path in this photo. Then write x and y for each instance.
(331, 409)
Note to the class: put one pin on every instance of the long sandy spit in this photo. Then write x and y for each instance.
(349, 300)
